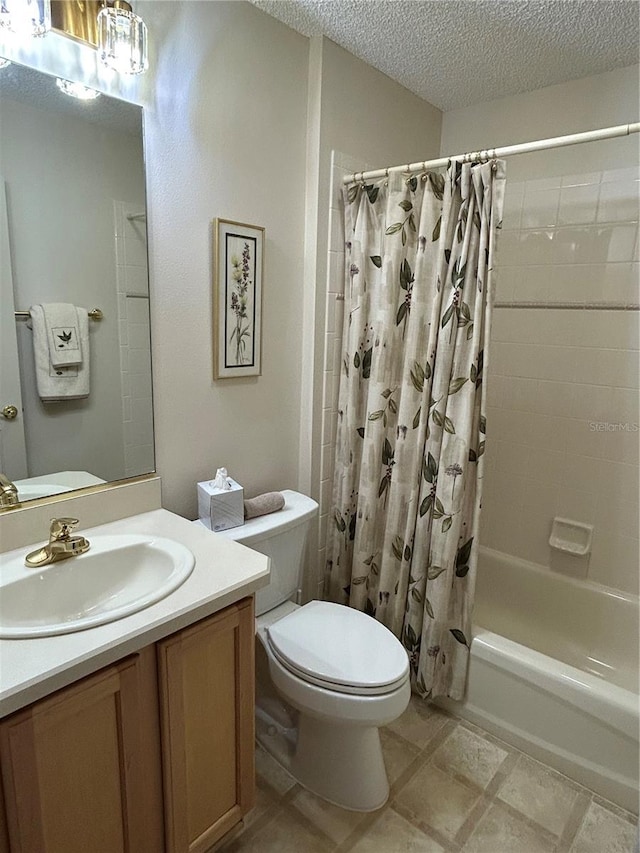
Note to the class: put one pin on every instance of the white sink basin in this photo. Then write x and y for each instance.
(119, 575)
(54, 483)
(32, 491)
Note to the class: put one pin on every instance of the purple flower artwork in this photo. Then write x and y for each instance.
(241, 338)
(238, 299)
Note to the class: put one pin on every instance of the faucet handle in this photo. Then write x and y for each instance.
(6, 484)
(61, 528)
(8, 492)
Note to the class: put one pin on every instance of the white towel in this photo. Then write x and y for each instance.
(63, 338)
(60, 383)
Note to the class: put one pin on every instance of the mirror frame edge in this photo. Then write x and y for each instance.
(73, 493)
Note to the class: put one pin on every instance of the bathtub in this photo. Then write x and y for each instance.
(554, 672)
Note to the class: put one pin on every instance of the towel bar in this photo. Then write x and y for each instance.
(95, 314)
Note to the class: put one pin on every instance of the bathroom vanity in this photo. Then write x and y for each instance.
(136, 735)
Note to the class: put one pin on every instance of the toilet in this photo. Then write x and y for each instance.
(327, 676)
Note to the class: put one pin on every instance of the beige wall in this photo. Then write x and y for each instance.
(225, 133)
(563, 384)
(603, 100)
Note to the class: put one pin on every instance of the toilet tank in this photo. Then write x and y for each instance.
(281, 536)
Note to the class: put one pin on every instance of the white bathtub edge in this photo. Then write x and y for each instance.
(612, 705)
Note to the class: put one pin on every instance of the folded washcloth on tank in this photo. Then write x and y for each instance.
(263, 504)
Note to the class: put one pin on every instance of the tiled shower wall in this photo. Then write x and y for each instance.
(563, 384)
(134, 334)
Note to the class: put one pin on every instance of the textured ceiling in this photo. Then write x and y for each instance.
(454, 53)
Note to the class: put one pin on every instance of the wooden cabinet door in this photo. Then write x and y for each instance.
(78, 767)
(4, 832)
(206, 682)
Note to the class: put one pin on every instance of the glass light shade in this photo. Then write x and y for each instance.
(122, 40)
(76, 90)
(26, 17)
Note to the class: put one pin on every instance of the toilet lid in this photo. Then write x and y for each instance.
(336, 645)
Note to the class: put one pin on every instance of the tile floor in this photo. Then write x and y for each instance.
(453, 788)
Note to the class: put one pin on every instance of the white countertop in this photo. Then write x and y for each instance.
(224, 572)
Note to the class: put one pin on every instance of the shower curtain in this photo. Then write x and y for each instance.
(411, 421)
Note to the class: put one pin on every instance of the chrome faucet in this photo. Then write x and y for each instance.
(8, 492)
(61, 544)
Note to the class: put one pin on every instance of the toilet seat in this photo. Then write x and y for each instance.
(340, 649)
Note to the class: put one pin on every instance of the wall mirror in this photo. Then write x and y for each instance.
(72, 230)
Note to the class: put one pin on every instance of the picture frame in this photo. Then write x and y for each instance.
(238, 268)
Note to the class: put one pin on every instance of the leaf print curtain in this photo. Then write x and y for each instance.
(409, 457)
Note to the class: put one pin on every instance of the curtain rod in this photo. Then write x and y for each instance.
(506, 151)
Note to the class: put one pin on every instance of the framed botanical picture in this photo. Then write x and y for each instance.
(238, 252)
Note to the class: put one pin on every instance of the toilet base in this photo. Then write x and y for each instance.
(341, 764)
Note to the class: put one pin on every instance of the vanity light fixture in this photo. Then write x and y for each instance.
(109, 26)
(122, 38)
(26, 17)
(76, 90)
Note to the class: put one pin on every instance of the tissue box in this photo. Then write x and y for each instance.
(220, 509)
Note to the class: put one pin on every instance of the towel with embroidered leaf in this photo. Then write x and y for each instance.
(63, 334)
(66, 381)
